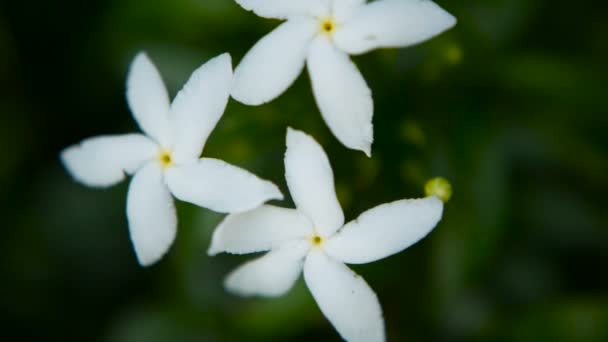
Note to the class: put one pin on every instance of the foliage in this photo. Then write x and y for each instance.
(509, 106)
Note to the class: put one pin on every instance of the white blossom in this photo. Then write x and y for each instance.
(314, 239)
(166, 161)
(322, 34)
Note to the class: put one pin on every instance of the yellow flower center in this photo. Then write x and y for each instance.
(164, 157)
(316, 240)
(327, 26)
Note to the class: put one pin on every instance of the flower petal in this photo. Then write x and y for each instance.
(151, 214)
(271, 275)
(198, 107)
(385, 230)
(344, 9)
(311, 182)
(343, 97)
(282, 9)
(274, 62)
(219, 186)
(392, 23)
(148, 99)
(103, 161)
(344, 298)
(257, 230)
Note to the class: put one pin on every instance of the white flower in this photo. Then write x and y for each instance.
(166, 161)
(322, 34)
(313, 238)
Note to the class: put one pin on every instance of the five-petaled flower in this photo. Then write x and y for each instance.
(166, 161)
(322, 34)
(313, 238)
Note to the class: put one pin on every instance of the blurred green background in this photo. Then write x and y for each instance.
(510, 106)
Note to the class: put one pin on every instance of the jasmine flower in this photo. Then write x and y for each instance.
(165, 161)
(313, 239)
(322, 34)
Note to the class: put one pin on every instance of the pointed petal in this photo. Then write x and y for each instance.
(151, 214)
(103, 161)
(311, 182)
(392, 23)
(385, 230)
(344, 9)
(343, 97)
(148, 99)
(257, 230)
(199, 106)
(274, 62)
(344, 298)
(221, 187)
(271, 275)
(281, 9)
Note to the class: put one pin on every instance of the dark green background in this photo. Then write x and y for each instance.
(510, 106)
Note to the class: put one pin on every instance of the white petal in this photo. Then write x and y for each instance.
(392, 23)
(311, 182)
(148, 99)
(344, 9)
(199, 106)
(343, 97)
(271, 275)
(344, 298)
(385, 230)
(274, 62)
(151, 214)
(103, 161)
(282, 9)
(257, 230)
(221, 187)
